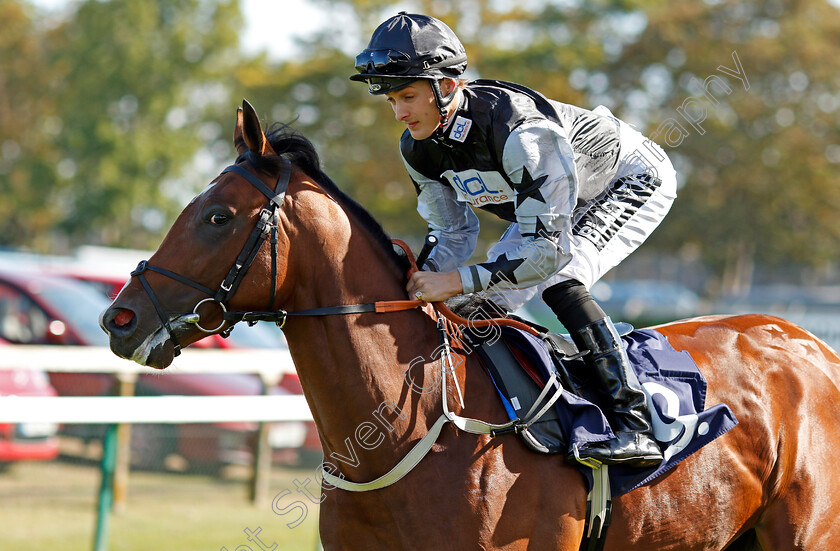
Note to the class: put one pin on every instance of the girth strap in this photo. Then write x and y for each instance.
(598, 511)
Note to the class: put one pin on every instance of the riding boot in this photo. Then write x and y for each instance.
(633, 444)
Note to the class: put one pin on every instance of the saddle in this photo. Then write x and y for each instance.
(554, 405)
(521, 365)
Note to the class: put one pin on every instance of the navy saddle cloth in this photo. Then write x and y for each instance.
(675, 388)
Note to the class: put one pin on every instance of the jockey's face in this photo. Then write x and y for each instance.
(415, 106)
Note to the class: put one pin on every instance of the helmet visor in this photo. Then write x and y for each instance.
(383, 62)
(383, 85)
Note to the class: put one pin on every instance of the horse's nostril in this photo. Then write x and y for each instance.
(119, 321)
(123, 317)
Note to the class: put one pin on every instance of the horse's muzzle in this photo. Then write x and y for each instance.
(128, 341)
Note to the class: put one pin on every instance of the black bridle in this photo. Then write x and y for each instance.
(267, 225)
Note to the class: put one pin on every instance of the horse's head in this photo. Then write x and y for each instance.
(214, 258)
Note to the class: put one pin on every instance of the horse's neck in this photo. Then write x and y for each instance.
(353, 367)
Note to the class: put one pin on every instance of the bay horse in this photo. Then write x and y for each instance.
(771, 483)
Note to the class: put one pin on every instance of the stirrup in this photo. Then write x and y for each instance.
(590, 462)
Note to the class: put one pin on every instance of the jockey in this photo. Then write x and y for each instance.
(581, 189)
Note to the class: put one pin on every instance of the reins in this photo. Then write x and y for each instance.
(380, 307)
(445, 320)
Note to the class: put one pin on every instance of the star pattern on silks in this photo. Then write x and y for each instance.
(529, 188)
(541, 230)
(504, 269)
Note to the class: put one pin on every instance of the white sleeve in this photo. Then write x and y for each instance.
(539, 161)
(452, 221)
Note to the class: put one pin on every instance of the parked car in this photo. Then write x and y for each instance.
(292, 442)
(110, 276)
(26, 441)
(37, 308)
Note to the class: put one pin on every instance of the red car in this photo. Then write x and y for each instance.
(293, 442)
(39, 308)
(26, 441)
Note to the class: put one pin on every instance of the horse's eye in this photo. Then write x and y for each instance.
(219, 219)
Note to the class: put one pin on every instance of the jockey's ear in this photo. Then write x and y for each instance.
(248, 133)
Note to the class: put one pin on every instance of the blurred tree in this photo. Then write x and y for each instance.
(27, 126)
(138, 79)
(759, 169)
(356, 135)
(756, 146)
(125, 102)
(105, 117)
(539, 44)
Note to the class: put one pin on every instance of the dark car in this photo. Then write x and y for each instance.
(38, 308)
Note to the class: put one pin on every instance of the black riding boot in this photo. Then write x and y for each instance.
(634, 444)
(592, 330)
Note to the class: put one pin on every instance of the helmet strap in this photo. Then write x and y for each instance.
(442, 101)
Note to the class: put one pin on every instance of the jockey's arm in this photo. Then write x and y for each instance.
(453, 222)
(539, 161)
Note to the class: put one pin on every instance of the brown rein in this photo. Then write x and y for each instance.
(443, 309)
(379, 307)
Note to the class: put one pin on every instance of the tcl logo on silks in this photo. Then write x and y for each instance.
(460, 129)
(479, 188)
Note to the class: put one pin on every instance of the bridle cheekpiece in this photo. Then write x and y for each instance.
(267, 225)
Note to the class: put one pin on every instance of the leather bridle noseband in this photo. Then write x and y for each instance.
(267, 224)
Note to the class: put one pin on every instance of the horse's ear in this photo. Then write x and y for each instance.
(238, 134)
(252, 133)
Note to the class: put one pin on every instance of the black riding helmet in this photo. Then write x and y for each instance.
(408, 47)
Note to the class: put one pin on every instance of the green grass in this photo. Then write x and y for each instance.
(53, 506)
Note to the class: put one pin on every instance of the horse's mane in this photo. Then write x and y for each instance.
(301, 152)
